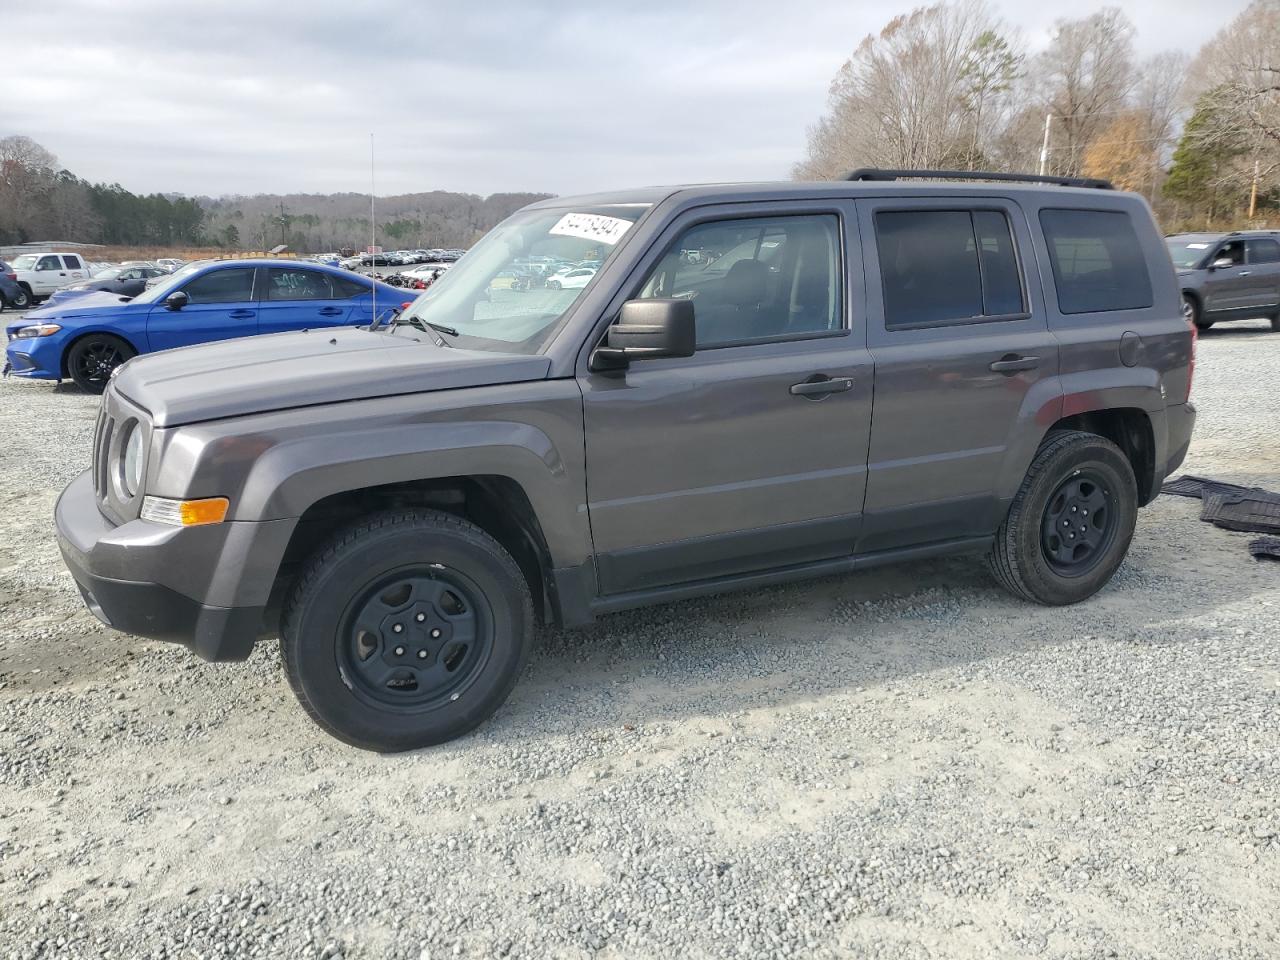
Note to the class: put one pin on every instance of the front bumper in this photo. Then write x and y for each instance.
(31, 358)
(121, 572)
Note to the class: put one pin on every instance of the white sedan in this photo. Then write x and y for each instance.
(573, 280)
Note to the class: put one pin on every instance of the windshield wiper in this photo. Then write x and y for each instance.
(425, 325)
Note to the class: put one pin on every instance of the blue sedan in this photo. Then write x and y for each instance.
(86, 338)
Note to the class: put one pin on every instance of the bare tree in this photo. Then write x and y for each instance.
(26, 179)
(904, 99)
(990, 70)
(1087, 74)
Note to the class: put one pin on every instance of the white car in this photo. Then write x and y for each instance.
(43, 273)
(169, 263)
(428, 272)
(573, 280)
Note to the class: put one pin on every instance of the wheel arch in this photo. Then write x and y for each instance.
(497, 504)
(64, 370)
(1130, 429)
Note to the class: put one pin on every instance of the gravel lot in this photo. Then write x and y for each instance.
(906, 763)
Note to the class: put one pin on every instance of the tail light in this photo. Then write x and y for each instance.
(12, 276)
(1191, 367)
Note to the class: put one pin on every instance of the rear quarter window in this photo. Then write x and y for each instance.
(1097, 261)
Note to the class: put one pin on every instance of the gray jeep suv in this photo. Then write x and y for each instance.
(1228, 276)
(761, 383)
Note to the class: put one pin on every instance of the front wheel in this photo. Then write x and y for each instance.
(1071, 522)
(91, 360)
(408, 629)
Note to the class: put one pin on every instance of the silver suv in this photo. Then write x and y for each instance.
(1228, 276)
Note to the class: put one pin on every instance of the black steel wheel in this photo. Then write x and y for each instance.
(91, 360)
(407, 629)
(1078, 524)
(1071, 522)
(415, 638)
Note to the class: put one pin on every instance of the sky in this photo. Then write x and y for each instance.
(247, 96)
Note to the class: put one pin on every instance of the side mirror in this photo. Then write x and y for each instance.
(1222, 263)
(647, 330)
(176, 300)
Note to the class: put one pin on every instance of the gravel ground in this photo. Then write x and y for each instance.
(906, 763)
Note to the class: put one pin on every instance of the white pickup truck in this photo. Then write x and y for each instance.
(43, 273)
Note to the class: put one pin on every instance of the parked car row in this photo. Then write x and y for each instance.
(403, 258)
(33, 277)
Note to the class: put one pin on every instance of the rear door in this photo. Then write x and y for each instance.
(220, 305)
(964, 364)
(1262, 258)
(298, 298)
(75, 268)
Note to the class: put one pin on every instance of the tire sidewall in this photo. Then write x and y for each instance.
(314, 642)
(89, 386)
(1100, 457)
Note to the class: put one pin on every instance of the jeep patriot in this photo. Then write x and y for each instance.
(759, 383)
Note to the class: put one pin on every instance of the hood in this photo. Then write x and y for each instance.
(285, 370)
(80, 303)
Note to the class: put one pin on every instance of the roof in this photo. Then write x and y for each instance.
(817, 189)
(1223, 234)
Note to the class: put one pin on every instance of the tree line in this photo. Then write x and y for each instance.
(951, 86)
(41, 201)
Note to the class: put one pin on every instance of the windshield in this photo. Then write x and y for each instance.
(1188, 254)
(25, 262)
(110, 273)
(164, 286)
(507, 293)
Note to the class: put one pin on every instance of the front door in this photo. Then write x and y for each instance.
(751, 454)
(958, 346)
(1229, 289)
(220, 305)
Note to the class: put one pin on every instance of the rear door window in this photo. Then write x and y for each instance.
(286, 283)
(947, 266)
(72, 262)
(1097, 261)
(1263, 251)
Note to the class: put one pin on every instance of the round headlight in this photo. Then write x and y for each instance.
(131, 471)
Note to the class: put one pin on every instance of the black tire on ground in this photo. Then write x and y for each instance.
(1191, 310)
(91, 359)
(21, 300)
(1071, 522)
(407, 629)
(1275, 322)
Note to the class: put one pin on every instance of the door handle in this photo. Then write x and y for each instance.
(820, 388)
(1011, 363)
(329, 311)
(241, 314)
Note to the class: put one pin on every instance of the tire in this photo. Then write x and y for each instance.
(426, 572)
(1191, 310)
(1071, 473)
(90, 360)
(21, 300)
(554, 284)
(1275, 322)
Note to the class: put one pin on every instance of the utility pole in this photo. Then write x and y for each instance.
(1253, 192)
(1044, 150)
(284, 226)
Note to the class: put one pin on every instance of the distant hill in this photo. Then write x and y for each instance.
(317, 222)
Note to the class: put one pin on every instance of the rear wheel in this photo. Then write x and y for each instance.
(91, 359)
(406, 630)
(1071, 522)
(20, 300)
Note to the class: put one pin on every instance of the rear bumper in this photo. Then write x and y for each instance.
(1180, 421)
(121, 573)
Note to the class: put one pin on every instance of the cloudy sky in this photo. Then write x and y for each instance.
(244, 96)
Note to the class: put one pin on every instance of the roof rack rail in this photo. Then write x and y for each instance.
(874, 173)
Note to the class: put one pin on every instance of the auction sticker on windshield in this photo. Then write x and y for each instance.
(592, 226)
